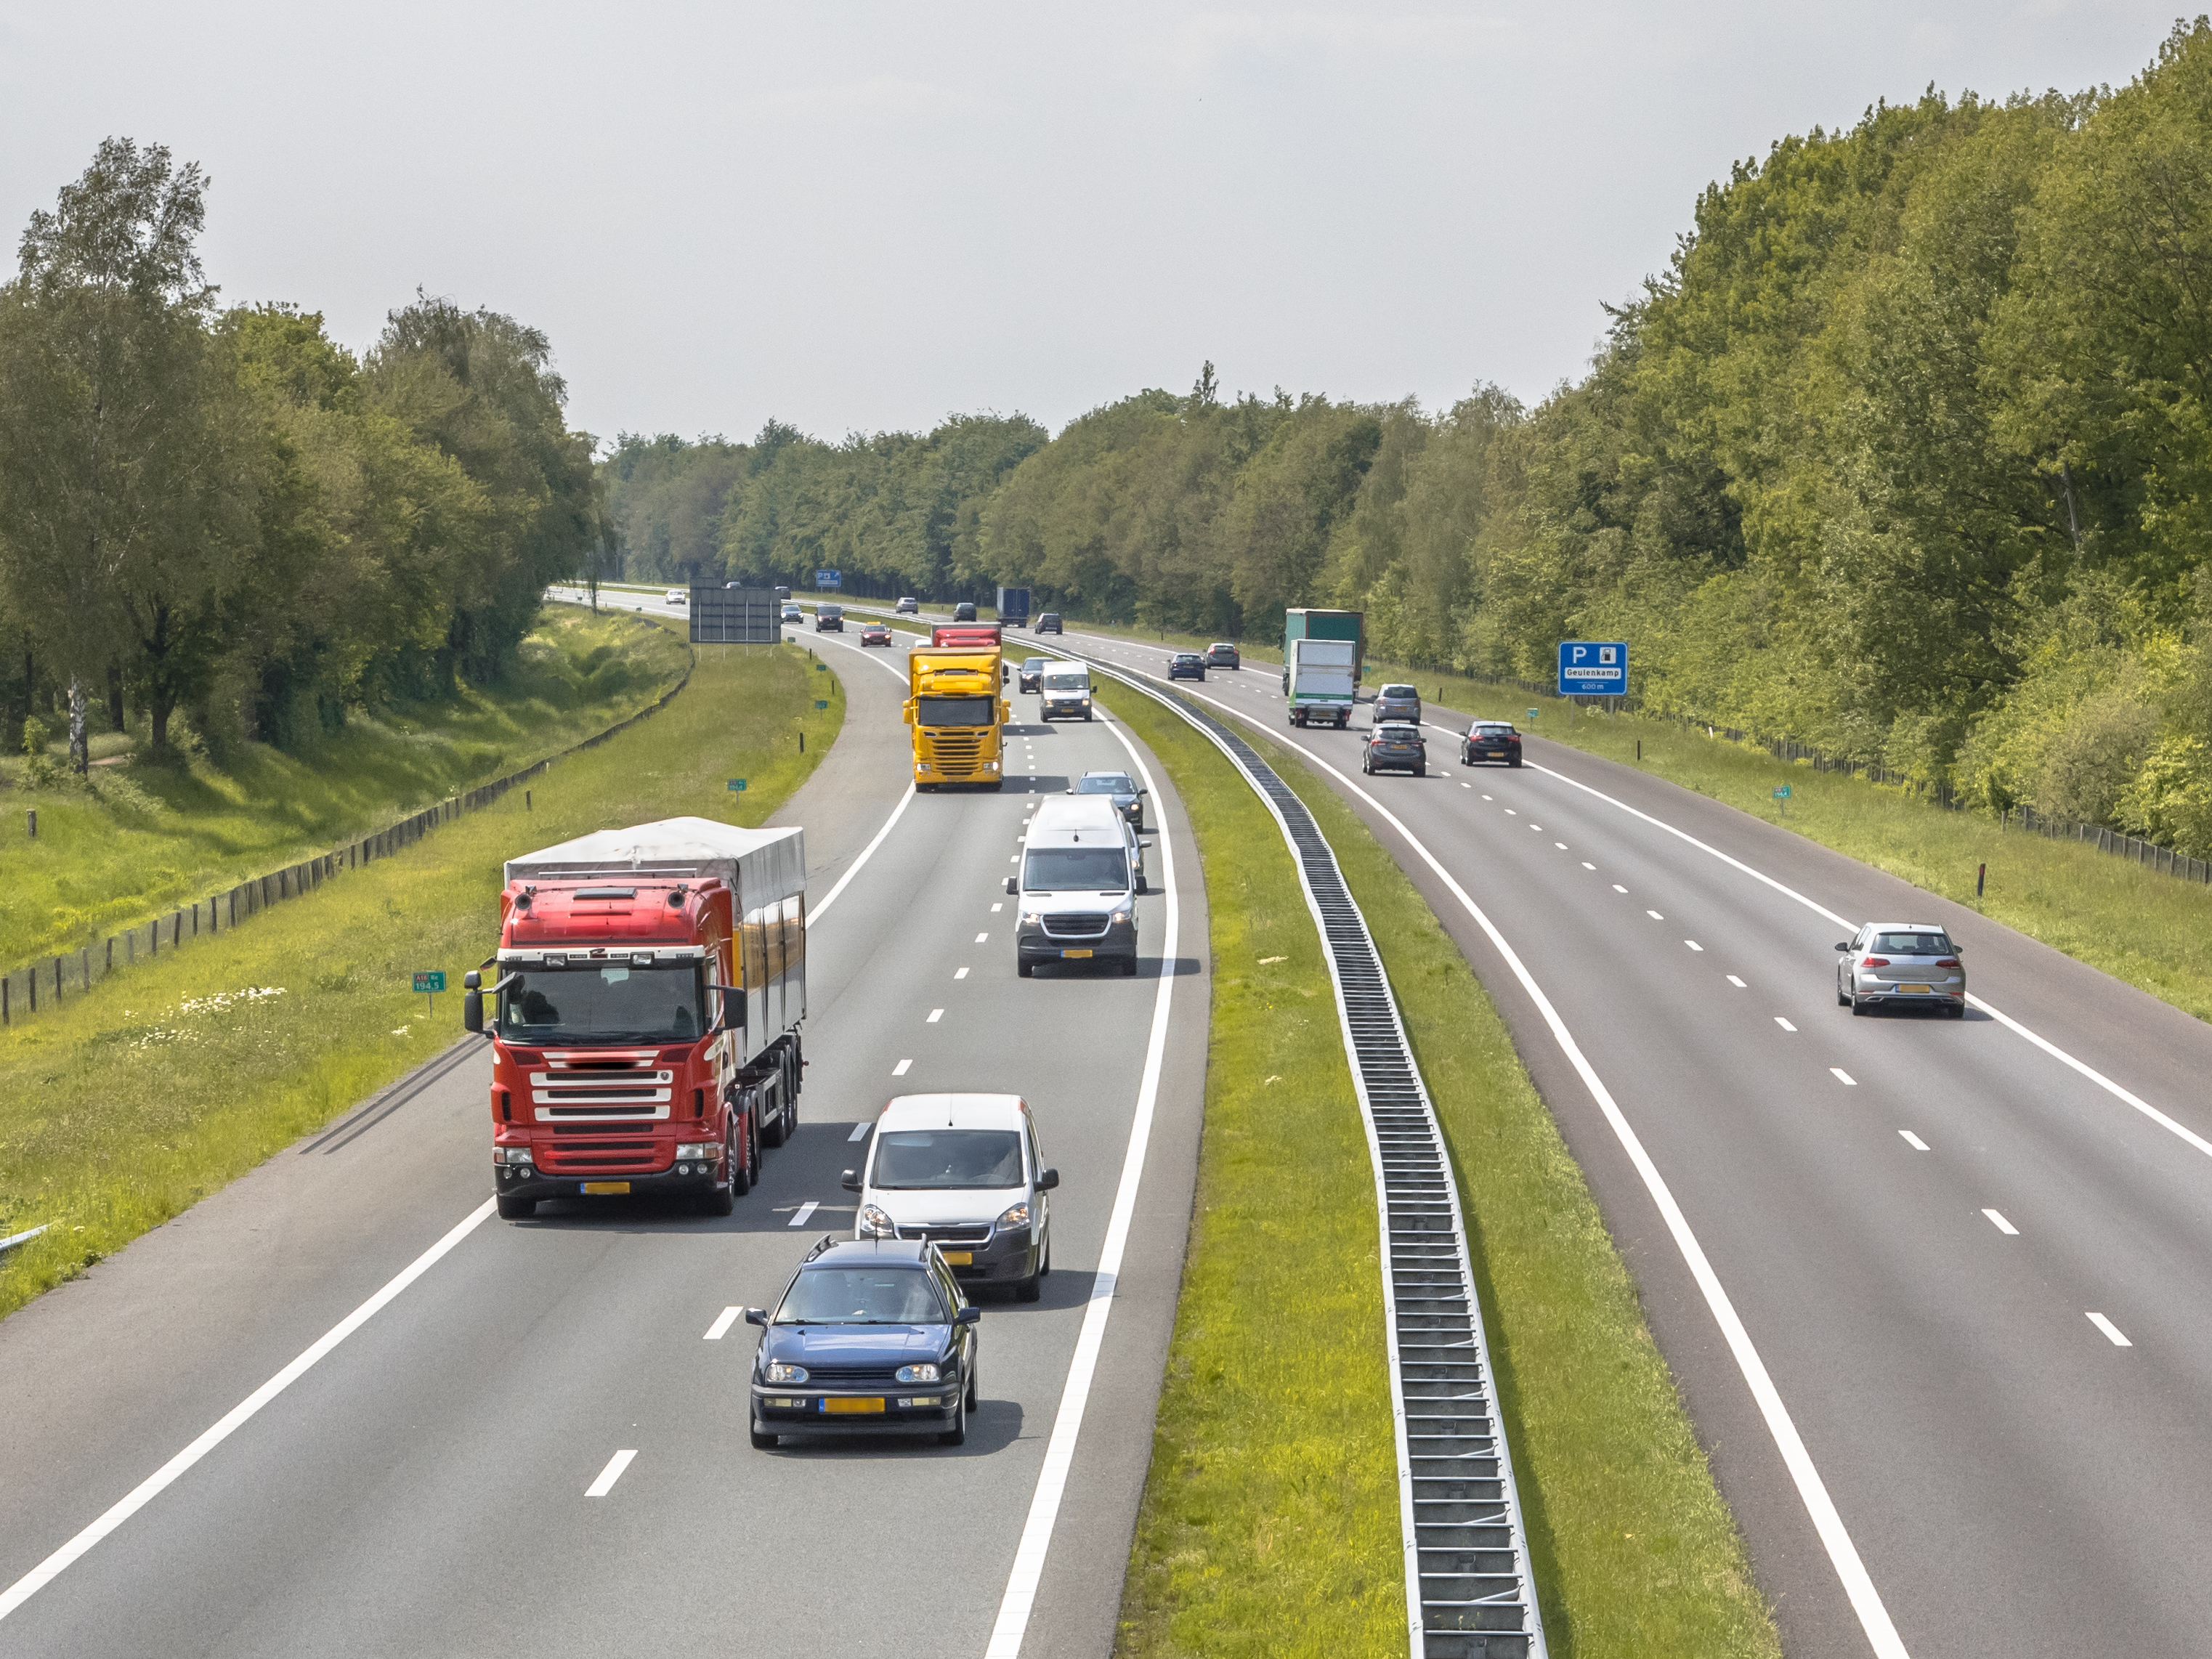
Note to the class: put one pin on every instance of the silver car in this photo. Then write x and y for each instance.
(1900, 962)
(1396, 703)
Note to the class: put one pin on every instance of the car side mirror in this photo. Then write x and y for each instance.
(1010, 885)
(1143, 845)
(1843, 947)
(970, 1314)
(756, 1315)
(1046, 1180)
(850, 1180)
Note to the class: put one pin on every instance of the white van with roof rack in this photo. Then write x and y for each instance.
(1082, 868)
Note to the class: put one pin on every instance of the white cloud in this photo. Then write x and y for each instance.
(881, 97)
(1205, 41)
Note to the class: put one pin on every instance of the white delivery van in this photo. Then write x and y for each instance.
(1082, 869)
(1319, 678)
(1066, 688)
(964, 1172)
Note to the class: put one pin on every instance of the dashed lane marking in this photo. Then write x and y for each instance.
(609, 1475)
(799, 1216)
(723, 1321)
(935, 1014)
(860, 1130)
(1913, 1140)
(1843, 1077)
(2001, 1224)
(2111, 1330)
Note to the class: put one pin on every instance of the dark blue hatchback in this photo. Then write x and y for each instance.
(870, 1337)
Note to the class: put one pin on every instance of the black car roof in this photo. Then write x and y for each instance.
(833, 1252)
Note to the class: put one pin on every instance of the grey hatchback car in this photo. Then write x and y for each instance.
(1395, 748)
(1900, 962)
(1397, 703)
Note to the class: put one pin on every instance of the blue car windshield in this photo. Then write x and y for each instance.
(889, 1295)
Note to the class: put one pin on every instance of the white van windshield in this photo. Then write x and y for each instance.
(1070, 869)
(1067, 682)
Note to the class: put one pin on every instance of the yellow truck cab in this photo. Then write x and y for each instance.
(956, 711)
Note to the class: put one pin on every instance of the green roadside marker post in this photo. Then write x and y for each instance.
(737, 785)
(1783, 795)
(1534, 713)
(428, 985)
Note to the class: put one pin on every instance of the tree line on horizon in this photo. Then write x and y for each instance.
(1907, 454)
(222, 514)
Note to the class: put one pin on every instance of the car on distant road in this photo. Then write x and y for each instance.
(1049, 622)
(964, 611)
(1395, 702)
(876, 634)
(1396, 747)
(962, 1172)
(677, 595)
(1221, 654)
(793, 614)
(1489, 740)
(1903, 963)
(908, 606)
(1032, 671)
(1128, 798)
(869, 1337)
(828, 618)
(1187, 666)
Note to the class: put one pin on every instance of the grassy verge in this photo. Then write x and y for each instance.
(147, 838)
(1635, 1551)
(1269, 1526)
(121, 1111)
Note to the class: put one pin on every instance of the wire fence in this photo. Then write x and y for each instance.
(46, 984)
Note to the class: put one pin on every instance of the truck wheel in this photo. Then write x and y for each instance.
(516, 1209)
(741, 1169)
(777, 1129)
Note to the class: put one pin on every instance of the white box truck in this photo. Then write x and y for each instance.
(1319, 679)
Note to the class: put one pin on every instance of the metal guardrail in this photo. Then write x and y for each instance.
(13, 1239)
(1469, 1591)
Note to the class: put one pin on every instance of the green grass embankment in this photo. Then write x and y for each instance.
(147, 838)
(123, 1109)
(1635, 1551)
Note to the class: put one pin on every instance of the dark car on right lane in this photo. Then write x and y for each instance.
(1221, 654)
(1187, 666)
(1129, 797)
(1489, 740)
(1049, 622)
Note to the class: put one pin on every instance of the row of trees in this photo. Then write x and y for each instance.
(1908, 453)
(225, 513)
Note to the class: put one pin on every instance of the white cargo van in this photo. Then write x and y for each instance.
(1066, 688)
(1319, 679)
(962, 1171)
(1082, 869)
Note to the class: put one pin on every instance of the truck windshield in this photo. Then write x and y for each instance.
(862, 1296)
(948, 1157)
(606, 1002)
(956, 711)
(1067, 682)
(1064, 869)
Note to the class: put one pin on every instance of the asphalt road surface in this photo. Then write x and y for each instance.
(422, 1487)
(1936, 1235)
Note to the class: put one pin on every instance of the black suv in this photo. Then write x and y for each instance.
(1032, 675)
(964, 611)
(1049, 622)
(828, 618)
(872, 1336)
(1489, 740)
(1221, 654)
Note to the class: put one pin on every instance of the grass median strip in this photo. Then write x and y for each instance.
(1269, 1525)
(121, 1111)
(1634, 1550)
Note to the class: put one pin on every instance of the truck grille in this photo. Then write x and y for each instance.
(601, 1085)
(598, 1156)
(1076, 924)
(956, 757)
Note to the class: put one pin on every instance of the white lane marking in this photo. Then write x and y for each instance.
(1738, 983)
(1694, 945)
(860, 1130)
(960, 973)
(1014, 859)
(1469, 785)
(1006, 1641)
(1486, 797)
(935, 1014)
(799, 1216)
(2001, 1224)
(1843, 1077)
(609, 1475)
(998, 907)
(817, 912)
(1784, 1024)
(154, 1484)
(1538, 828)
(1843, 1554)
(898, 1070)
(2110, 1329)
(980, 937)
(1617, 888)
(723, 1321)
(1510, 813)
(1587, 865)
(1561, 845)
(1913, 1140)
(2048, 1047)
(1655, 915)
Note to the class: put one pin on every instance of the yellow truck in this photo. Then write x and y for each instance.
(956, 711)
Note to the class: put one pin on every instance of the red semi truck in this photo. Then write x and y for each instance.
(645, 1021)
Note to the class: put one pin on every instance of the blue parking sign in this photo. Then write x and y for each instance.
(1593, 668)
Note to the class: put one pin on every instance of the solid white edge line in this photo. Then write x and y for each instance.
(723, 1321)
(1858, 1585)
(867, 852)
(609, 1475)
(152, 1486)
(2111, 1330)
(1028, 1570)
(2095, 1076)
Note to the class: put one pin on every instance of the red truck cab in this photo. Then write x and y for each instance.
(645, 1020)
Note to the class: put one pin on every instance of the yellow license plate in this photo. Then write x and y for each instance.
(836, 1406)
(959, 1258)
(1075, 953)
(607, 1186)
(1924, 989)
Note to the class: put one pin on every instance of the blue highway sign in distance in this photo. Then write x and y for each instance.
(1593, 668)
(829, 579)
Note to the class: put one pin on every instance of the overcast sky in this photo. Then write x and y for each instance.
(860, 217)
